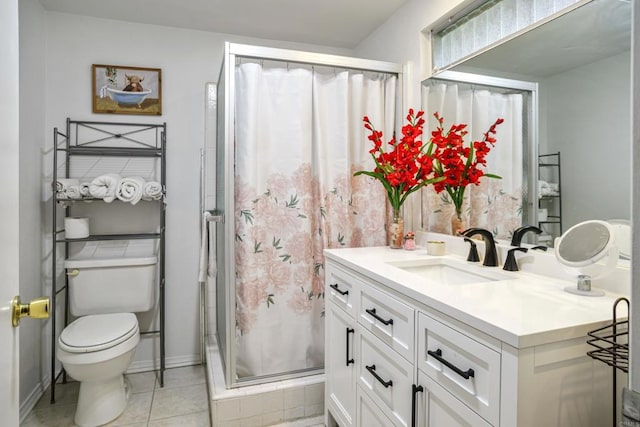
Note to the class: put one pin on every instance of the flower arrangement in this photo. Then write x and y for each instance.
(407, 167)
(444, 161)
(459, 165)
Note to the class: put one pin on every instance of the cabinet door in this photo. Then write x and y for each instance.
(370, 414)
(340, 365)
(386, 377)
(436, 407)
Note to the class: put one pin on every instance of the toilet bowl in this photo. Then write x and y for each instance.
(98, 347)
(96, 350)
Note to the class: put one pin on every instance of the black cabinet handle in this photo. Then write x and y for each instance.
(438, 356)
(372, 312)
(372, 370)
(335, 288)
(415, 389)
(349, 331)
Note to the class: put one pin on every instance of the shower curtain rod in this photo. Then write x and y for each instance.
(311, 58)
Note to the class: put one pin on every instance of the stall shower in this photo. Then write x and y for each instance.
(289, 137)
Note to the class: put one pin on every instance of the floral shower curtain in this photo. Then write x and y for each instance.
(495, 204)
(299, 139)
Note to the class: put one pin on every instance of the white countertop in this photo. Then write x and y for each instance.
(523, 310)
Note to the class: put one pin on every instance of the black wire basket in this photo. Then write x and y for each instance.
(612, 341)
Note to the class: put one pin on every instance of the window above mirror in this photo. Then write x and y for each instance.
(490, 24)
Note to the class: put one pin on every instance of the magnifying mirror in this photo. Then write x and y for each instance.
(589, 248)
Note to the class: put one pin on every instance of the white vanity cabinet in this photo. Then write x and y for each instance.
(393, 359)
(340, 346)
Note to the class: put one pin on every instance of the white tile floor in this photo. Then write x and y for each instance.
(183, 401)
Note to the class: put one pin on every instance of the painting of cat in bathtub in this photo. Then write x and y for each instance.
(126, 90)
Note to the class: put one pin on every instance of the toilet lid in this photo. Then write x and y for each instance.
(98, 332)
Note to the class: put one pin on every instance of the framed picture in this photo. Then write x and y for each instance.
(126, 90)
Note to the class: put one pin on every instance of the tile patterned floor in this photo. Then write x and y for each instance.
(183, 401)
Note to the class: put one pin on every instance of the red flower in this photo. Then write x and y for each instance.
(457, 163)
(408, 166)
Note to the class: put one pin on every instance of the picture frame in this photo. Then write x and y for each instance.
(118, 89)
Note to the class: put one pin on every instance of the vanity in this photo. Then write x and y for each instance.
(419, 340)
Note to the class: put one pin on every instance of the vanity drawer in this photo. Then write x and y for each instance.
(466, 368)
(386, 378)
(343, 290)
(370, 414)
(388, 319)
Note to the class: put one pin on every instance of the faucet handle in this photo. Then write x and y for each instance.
(473, 251)
(511, 264)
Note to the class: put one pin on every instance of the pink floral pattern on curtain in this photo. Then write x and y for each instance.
(487, 205)
(282, 230)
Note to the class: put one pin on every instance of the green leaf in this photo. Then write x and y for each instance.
(256, 247)
(247, 215)
(270, 300)
(276, 243)
(293, 201)
(285, 257)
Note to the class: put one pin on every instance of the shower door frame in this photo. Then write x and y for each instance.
(226, 228)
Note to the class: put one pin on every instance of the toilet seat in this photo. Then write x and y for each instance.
(98, 332)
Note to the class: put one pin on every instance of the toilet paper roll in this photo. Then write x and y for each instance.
(76, 228)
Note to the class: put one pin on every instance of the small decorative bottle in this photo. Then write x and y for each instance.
(409, 241)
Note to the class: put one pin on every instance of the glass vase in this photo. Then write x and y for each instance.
(457, 223)
(396, 229)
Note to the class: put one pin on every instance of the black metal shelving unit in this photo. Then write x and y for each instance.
(612, 346)
(105, 139)
(549, 167)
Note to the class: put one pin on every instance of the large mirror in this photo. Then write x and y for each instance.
(580, 62)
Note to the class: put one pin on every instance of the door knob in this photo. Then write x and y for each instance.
(36, 309)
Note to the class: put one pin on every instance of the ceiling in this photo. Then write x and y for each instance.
(336, 23)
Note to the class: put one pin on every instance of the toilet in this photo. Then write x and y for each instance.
(98, 347)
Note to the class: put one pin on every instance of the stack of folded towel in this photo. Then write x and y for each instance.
(548, 189)
(109, 187)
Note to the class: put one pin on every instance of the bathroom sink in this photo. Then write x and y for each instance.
(449, 272)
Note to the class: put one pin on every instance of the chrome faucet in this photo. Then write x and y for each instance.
(519, 233)
(490, 255)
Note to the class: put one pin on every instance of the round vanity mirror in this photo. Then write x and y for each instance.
(589, 248)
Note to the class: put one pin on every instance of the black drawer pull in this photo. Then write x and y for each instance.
(372, 312)
(349, 360)
(372, 370)
(335, 288)
(415, 389)
(438, 356)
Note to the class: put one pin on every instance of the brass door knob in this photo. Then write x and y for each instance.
(36, 309)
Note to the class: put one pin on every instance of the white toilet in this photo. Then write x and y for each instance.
(97, 347)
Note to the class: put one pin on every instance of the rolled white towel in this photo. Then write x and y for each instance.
(105, 186)
(73, 192)
(130, 189)
(63, 183)
(152, 191)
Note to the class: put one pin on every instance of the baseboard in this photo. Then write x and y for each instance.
(32, 399)
(169, 362)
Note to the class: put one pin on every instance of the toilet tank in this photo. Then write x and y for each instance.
(111, 285)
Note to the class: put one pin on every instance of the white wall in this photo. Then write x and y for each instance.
(400, 40)
(188, 60)
(34, 358)
(587, 119)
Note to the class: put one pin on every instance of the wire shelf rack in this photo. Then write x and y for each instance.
(612, 341)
